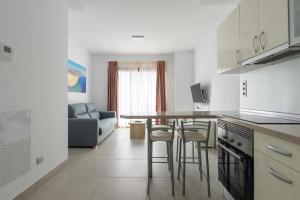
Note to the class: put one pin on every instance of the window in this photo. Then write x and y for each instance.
(137, 88)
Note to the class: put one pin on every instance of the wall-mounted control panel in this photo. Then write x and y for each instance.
(244, 88)
(6, 52)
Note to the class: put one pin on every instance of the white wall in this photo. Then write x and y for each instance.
(79, 55)
(36, 79)
(223, 90)
(274, 88)
(184, 78)
(99, 64)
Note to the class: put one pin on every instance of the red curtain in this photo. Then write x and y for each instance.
(161, 105)
(112, 90)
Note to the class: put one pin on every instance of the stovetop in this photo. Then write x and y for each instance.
(259, 118)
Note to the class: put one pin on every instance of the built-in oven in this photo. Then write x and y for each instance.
(235, 160)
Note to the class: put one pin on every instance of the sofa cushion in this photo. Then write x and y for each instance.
(91, 109)
(77, 111)
(106, 125)
(95, 115)
(107, 114)
(83, 116)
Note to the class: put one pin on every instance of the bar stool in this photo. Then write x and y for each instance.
(198, 132)
(160, 125)
(177, 142)
(164, 134)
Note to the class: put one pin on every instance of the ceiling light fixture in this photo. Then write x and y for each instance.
(138, 38)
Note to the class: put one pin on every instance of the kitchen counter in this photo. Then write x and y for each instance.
(290, 133)
(173, 115)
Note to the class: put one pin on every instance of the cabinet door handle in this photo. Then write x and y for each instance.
(255, 50)
(262, 36)
(279, 151)
(279, 176)
(238, 57)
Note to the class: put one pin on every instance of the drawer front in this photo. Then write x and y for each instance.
(273, 180)
(280, 150)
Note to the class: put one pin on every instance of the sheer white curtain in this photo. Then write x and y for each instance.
(137, 88)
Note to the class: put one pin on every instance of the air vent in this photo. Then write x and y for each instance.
(236, 129)
(138, 38)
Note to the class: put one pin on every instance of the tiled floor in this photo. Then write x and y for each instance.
(117, 171)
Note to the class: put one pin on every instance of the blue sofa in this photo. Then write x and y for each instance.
(87, 126)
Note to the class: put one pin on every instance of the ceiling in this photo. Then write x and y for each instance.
(106, 26)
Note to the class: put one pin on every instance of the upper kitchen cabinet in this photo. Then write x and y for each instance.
(229, 55)
(249, 29)
(220, 48)
(257, 33)
(294, 7)
(273, 23)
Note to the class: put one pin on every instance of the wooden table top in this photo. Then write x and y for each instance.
(173, 115)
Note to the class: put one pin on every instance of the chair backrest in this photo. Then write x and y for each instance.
(196, 126)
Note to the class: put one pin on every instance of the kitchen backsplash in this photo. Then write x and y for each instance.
(274, 88)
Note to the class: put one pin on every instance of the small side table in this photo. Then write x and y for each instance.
(137, 130)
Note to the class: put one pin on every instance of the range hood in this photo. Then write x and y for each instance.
(279, 54)
(285, 51)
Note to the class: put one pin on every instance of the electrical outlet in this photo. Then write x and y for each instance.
(6, 52)
(244, 88)
(39, 160)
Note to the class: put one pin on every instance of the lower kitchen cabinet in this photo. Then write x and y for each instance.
(278, 149)
(273, 180)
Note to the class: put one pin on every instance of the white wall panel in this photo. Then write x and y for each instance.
(36, 80)
(274, 88)
(15, 144)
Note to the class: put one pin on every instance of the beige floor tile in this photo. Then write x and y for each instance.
(160, 170)
(161, 188)
(103, 153)
(69, 189)
(133, 153)
(127, 168)
(195, 190)
(86, 168)
(201, 187)
(121, 189)
(118, 170)
(112, 144)
(135, 145)
(76, 154)
(192, 170)
(41, 189)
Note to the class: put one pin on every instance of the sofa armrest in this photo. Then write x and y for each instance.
(107, 114)
(83, 132)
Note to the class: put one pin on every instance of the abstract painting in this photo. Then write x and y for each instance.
(76, 77)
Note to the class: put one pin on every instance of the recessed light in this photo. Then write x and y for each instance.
(138, 38)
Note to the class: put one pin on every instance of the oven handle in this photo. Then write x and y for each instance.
(229, 151)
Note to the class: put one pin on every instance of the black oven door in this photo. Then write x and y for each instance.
(235, 171)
